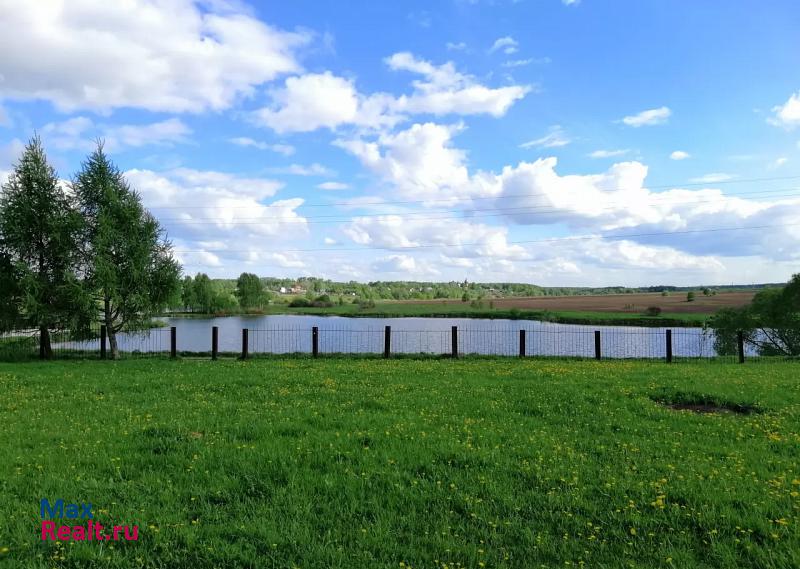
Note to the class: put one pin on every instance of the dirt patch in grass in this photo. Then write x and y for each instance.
(702, 403)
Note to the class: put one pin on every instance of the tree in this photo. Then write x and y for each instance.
(690, 296)
(249, 291)
(39, 235)
(130, 270)
(187, 293)
(203, 293)
(771, 323)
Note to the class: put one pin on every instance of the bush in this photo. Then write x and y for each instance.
(689, 297)
(653, 311)
(300, 303)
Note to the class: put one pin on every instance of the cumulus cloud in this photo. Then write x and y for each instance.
(679, 155)
(160, 55)
(457, 237)
(323, 100)
(406, 265)
(787, 115)
(81, 133)
(649, 117)
(419, 162)
(314, 169)
(285, 149)
(200, 204)
(555, 138)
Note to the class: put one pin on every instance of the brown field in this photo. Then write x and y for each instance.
(633, 303)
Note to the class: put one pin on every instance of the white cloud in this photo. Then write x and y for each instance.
(679, 155)
(460, 46)
(81, 133)
(555, 138)
(787, 115)
(446, 91)
(202, 204)
(419, 162)
(713, 178)
(608, 153)
(507, 44)
(457, 237)
(405, 265)
(523, 62)
(570, 2)
(314, 169)
(649, 117)
(323, 100)
(285, 149)
(333, 186)
(160, 55)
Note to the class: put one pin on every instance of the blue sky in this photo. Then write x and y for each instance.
(561, 143)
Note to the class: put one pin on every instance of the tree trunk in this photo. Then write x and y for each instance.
(45, 349)
(110, 331)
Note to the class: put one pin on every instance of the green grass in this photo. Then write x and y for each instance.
(420, 463)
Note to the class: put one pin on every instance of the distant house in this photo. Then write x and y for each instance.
(283, 290)
(297, 289)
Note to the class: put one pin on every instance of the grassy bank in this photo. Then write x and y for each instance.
(426, 463)
(454, 310)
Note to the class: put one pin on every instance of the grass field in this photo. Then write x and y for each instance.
(407, 463)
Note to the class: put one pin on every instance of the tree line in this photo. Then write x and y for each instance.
(77, 253)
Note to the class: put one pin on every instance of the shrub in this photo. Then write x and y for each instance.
(653, 311)
(299, 303)
(690, 297)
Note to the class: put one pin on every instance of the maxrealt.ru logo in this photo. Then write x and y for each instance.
(91, 531)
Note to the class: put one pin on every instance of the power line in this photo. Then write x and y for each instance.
(524, 242)
(522, 210)
(356, 203)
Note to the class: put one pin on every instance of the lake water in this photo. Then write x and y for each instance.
(292, 333)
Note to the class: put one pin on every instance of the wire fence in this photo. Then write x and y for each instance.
(574, 342)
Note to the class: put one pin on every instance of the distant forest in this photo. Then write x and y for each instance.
(203, 294)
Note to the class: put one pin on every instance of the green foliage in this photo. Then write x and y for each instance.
(771, 323)
(40, 230)
(424, 462)
(690, 296)
(653, 311)
(250, 291)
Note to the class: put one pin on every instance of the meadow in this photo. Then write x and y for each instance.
(479, 462)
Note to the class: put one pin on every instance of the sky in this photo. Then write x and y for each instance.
(555, 142)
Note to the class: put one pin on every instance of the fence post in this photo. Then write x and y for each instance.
(103, 342)
(245, 342)
(41, 345)
(387, 341)
(522, 343)
(173, 342)
(669, 346)
(597, 352)
(315, 341)
(740, 345)
(214, 342)
(454, 341)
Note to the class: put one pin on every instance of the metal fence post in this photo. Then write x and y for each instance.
(522, 343)
(214, 342)
(103, 335)
(454, 341)
(42, 355)
(740, 345)
(173, 342)
(669, 346)
(315, 341)
(597, 352)
(387, 341)
(245, 342)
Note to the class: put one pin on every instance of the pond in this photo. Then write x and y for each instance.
(293, 333)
